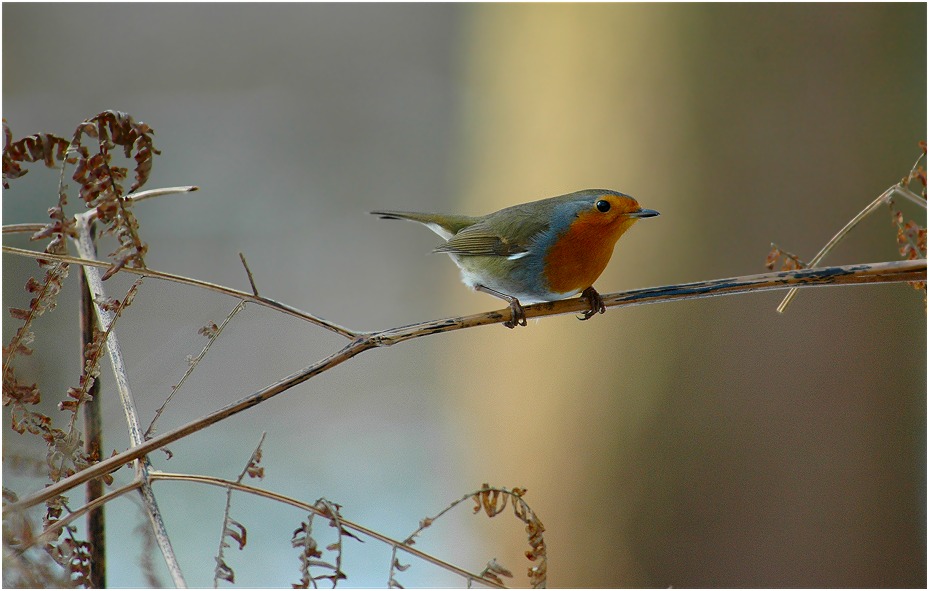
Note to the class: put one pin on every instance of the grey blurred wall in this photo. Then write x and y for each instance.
(708, 443)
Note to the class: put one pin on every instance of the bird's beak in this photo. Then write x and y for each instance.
(644, 213)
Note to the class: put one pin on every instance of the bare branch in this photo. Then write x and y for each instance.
(892, 272)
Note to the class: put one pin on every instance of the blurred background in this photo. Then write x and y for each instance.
(704, 443)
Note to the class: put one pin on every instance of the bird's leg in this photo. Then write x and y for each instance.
(517, 315)
(596, 303)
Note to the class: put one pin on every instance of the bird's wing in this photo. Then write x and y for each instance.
(474, 244)
(511, 238)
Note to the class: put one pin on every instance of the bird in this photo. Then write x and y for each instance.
(542, 251)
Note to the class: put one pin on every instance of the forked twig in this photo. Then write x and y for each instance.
(836, 239)
(885, 197)
(212, 333)
(242, 295)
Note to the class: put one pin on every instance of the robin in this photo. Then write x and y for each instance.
(541, 251)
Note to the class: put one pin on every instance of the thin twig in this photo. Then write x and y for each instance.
(425, 523)
(242, 295)
(192, 365)
(891, 272)
(87, 249)
(251, 279)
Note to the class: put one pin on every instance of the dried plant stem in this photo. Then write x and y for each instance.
(222, 535)
(311, 508)
(242, 295)
(335, 521)
(22, 228)
(193, 363)
(87, 249)
(142, 195)
(910, 196)
(132, 197)
(890, 272)
(94, 360)
(93, 444)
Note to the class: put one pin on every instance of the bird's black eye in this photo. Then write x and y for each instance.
(603, 205)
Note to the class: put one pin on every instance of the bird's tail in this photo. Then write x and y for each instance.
(444, 225)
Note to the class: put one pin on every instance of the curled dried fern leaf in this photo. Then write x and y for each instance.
(113, 129)
(101, 182)
(44, 147)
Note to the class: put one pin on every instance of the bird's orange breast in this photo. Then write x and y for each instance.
(578, 256)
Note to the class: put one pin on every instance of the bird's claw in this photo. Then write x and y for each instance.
(517, 315)
(596, 303)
